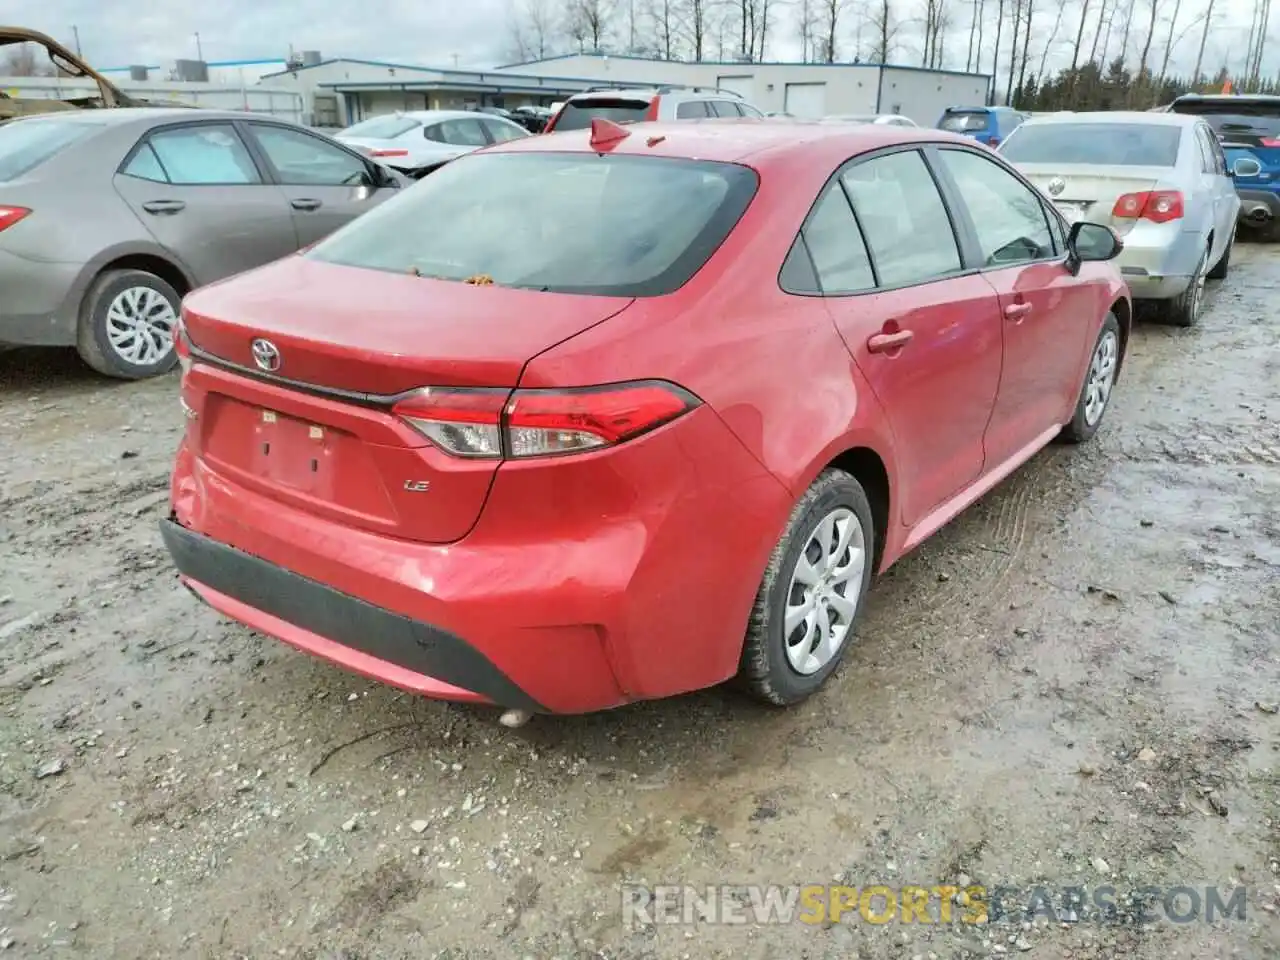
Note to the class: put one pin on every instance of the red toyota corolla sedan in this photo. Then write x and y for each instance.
(616, 414)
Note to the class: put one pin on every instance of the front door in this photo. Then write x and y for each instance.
(197, 189)
(1048, 314)
(926, 337)
(326, 185)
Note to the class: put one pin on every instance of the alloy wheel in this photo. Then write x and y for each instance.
(139, 325)
(825, 588)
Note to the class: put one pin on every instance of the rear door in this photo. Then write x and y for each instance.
(326, 185)
(926, 336)
(199, 191)
(1218, 183)
(1049, 315)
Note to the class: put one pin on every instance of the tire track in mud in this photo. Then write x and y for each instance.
(52, 520)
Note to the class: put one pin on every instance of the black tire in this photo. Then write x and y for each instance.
(1221, 268)
(92, 341)
(764, 671)
(1184, 309)
(1080, 430)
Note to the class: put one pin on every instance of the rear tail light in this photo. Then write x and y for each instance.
(652, 112)
(1268, 142)
(492, 424)
(11, 215)
(993, 141)
(388, 153)
(1158, 206)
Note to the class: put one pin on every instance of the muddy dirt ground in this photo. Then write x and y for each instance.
(1073, 684)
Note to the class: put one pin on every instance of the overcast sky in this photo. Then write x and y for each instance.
(475, 32)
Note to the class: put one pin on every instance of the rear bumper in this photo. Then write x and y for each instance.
(586, 583)
(34, 302)
(1157, 263)
(350, 632)
(1258, 208)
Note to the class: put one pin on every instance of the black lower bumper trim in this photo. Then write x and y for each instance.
(344, 619)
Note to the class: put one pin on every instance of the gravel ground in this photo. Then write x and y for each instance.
(1074, 683)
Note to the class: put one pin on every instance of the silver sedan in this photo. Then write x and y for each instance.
(416, 142)
(107, 217)
(1159, 180)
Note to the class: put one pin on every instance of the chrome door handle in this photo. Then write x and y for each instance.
(306, 203)
(163, 206)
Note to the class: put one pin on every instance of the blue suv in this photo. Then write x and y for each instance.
(989, 125)
(1248, 128)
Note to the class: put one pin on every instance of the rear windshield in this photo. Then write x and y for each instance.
(381, 128)
(964, 121)
(24, 144)
(1113, 144)
(578, 115)
(1238, 119)
(567, 222)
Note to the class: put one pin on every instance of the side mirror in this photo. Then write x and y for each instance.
(1091, 243)
(1246, 167)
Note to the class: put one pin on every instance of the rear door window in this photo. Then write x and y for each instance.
(463, 133)
(903, 218)
(724, 108)
(382, 128)
(577, 115)
(500, 132)
(206, 154)
(25, 144)
(691, 110)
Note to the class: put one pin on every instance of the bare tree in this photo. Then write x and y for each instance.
(975, 33)
(807, 27)
(1104, 22)
(534, 30)
(887, 27)
(1015, 25)
(1146, 46)
(21, 61)
(1075, 50)
(664, 25)
(588, 23)
(694, 19)
(1169, 42)
(1204, 35)
(1028, 15)
(995, 50)
(1053, 37)
(1128, 23)
(936, 22)
(830, 20)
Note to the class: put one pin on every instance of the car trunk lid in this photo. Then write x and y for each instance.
(1090, 191)
(310, 423)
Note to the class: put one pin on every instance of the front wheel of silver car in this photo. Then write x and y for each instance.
(128, 322)
(812, 592)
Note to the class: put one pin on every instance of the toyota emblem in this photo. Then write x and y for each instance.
(1057, 185)
(265, 355)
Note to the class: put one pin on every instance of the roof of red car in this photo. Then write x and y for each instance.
(732, 141)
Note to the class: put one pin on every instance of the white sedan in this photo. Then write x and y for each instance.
(886, 119)
(418, 141)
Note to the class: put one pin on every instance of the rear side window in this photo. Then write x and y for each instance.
(1113, 144)
(965, 121)
(724, 108)
(578, 114)
(691, 110)
(145, 165)
(835, 245)
(903, 218)
(614, 225)
(24, 144)
(465, 133)
(500, 131)
(204, 155)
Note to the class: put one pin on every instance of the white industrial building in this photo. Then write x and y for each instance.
(801, 89)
